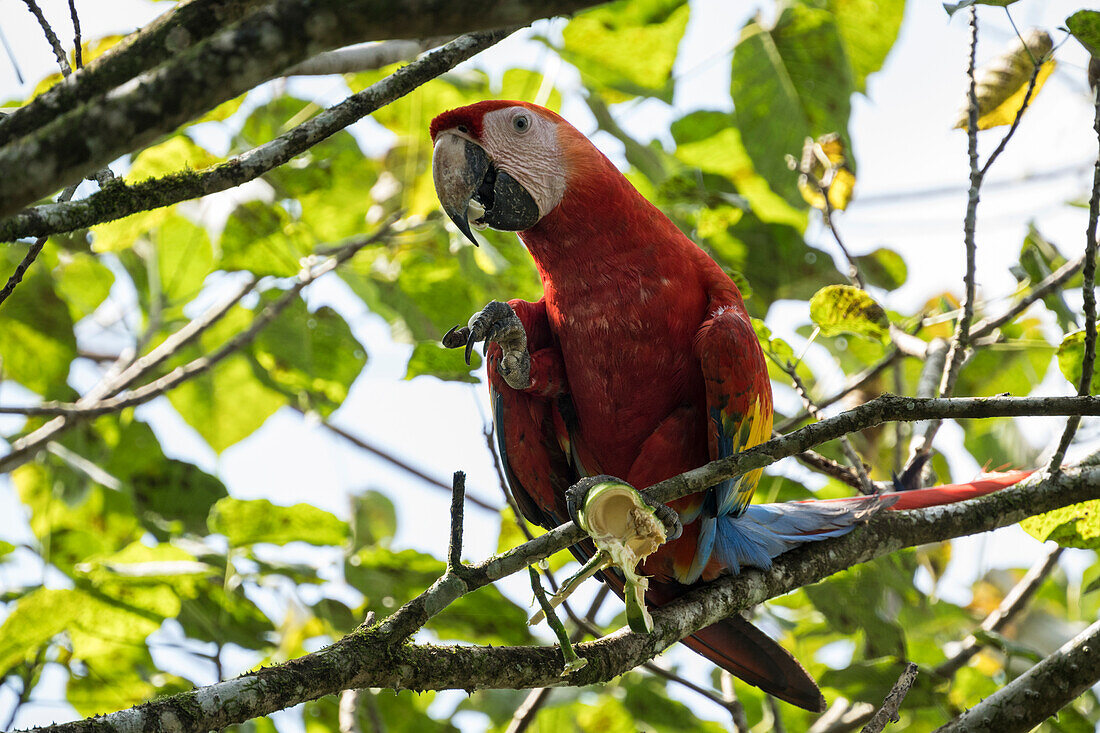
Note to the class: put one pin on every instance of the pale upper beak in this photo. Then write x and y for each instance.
(463, 173)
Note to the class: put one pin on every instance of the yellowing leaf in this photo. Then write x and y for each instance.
(1002, 83)
(838, 309)
(825, 167)
(1071, 526)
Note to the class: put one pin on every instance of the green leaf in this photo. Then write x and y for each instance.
(184, 257)
(175, 154)
(711, 142)
(511, 536)
(953, 8)
(1072, 526)
(627, 49)
(429, 358)
(175, 497)
(36, 618)
(1085, 27)
(1014, 365)
(374, 519)
(883, 268)
(839, 309)
(263, 239)
(36, 331)
(229, 402)
(1071, 357)
(122, 680)
(312, 357)
(83, 282)
(248, 521)
(225, 616)
(797, 72)
(868, 29)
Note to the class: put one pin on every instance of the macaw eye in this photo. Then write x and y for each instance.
(521, 123)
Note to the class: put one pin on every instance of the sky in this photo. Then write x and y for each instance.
(903, 143)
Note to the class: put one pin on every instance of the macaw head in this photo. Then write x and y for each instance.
(501, 164)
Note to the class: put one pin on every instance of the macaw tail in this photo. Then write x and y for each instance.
(765, 531)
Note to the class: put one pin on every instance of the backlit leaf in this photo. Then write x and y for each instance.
(840, 309)
(1002, 83)
(249, 521)
(1072, 526)
(1085, 27)
(1071, 357)
(883, 268)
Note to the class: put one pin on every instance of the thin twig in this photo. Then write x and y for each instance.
(393, 460)
(122, 374)
(32, 253)
(51, 37)
(737, 711)
(852, 385)
(777, 719)
(1089, 296)
(1011, 605)
(1049, 284)
(77, 50)
(364, 57)
(823, 464)
(204, 363)
(888, 713)
(842, 716)
(454, 547)
(865, 484)
(1038, 693)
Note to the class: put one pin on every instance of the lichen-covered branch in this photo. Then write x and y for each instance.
(120, 199)
(1039, 693)
(262, 44)
(363, 57)
(377, 656)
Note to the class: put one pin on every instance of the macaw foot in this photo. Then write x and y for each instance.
(497, 322)
(626, 527)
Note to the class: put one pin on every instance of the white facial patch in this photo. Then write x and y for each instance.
(527, 149)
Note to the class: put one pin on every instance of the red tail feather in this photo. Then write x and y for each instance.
(987, 484)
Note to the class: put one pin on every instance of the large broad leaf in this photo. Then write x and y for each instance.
(248, 521)
(711, 142)
(82, 281)
(122, 680)
(374, 519)
(263, 239)
(429, 358)
(312, 357)
(796, 72)
(183, 257)
(229, 402)
(1002, 83)
(868, 29)
(627, 49)
(1071, 526)
(883, 268)
(36, 330)
(225, 616)
(1014, 365)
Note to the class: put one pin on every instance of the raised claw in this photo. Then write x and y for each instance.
(498, 323)
(456, 337)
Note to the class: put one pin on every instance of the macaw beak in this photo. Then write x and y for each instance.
(474, 192)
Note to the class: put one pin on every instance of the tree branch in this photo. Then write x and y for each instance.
(889, 710)
(364, 57)
(1016, 600)
(261, 45)
(1040, 692)
(121, 199)
(379, 657)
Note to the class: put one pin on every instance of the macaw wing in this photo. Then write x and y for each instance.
(739, 416)
(534, 446)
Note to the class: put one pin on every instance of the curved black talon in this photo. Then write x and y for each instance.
(470, 346)
(455, 338)
(578, 492)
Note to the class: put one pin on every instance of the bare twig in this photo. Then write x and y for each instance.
(1089, 297)
(842, 716)
(1049, 284)
(32, 254)
(852, 385)
(827, 466)
(1016, 600)
(77, 50)
(347, 715)
(865, 484)
(888, 713)
(51, 37)
(123, 374)
(398, 462)
(1038, 693)
(454, 547)
(737, 711)
(526, 712)
(777, 719)
(204, 363)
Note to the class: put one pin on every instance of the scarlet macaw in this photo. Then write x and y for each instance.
(640, 361)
